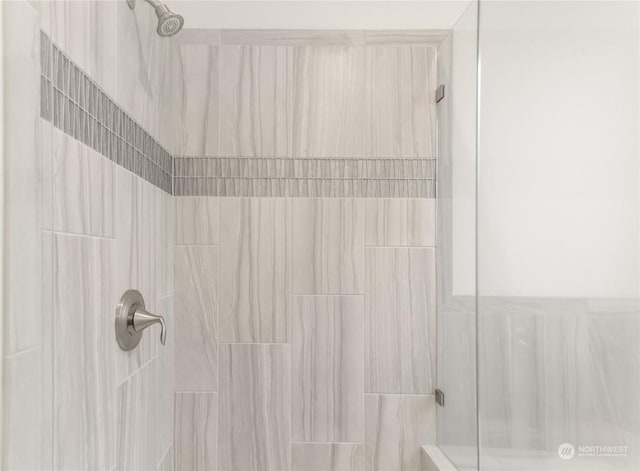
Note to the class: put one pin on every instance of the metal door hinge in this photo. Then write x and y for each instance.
(440, 397)
(439, 93)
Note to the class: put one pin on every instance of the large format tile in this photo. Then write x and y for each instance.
(327, 368)
(86, 31)
(255, 398)
(198, 100)
(327, 457)
(196, 314)
(400, 89)
(329, 102)
(400, 320)
(197, 221)
(254, 291)
(21, 167)
(25, 429)
(401, 222)
(138, 61)
(456, 343)
(558, 377)
(136, 421)
(165, 382)
(397, 426)
(196, 436)
(83, 188)
(135, 247)
(84, 346)
(255, 101)
(328, 246)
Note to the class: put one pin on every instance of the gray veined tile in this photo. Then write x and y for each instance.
(24, 419)
(83, 365)
(255, 101)
(135, 415)
(327, 457)
(196, 433)
(254, 431)
(401, 113)
(196, 311)
(165, 382)
(400, 320)
(197, 221)
(254, 291)
(21, 167)
(327, 368)
(199, 100)
(397, 426)
(83, 188)
(328, 246)
(329, 102)
(401, 222)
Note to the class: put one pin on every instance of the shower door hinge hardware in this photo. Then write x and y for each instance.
(440, 397)
(439, 93)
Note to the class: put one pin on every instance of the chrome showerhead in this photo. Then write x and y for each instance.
(169, 23)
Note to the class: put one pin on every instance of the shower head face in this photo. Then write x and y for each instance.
(169, 24)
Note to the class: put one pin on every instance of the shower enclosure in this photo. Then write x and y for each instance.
(356, 236)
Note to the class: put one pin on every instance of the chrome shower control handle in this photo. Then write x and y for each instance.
(132, 318)
(140, 319)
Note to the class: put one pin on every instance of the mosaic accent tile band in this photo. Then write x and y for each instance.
(356, 178)
(73, 102)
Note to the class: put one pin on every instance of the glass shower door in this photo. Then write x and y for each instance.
(558, 212)
(456, 317)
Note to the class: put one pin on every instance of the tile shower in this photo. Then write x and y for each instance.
(305, 215)
(272, 194)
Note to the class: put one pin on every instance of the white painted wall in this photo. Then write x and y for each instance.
(558, 149)
(295, 14)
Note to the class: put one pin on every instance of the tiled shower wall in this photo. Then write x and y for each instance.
(305, 275)
(91, 216)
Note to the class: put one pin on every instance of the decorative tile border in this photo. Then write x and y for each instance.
(357, 178)
(73, 102)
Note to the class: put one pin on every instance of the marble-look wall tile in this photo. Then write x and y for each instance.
(397, 426)
(86, 31)
(254, 291)
(21, 154)
(24, 420)
(198, 101)
(138, 64)
(400, 320)
(136, 421)
(165, 381)
(166, 464)
(196, 435)
(554, 376)
(196, 313)
(401, 222)
(255, 101)
(327, 368)
(400, 107)
(197, 221)
(456, 368)
(132, 208)
(83, 188)
(327, 457)
(329, 102)
(328, 246)
(84, 385)
(255, 398)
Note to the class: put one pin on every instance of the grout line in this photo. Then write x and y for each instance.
(22, 352)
